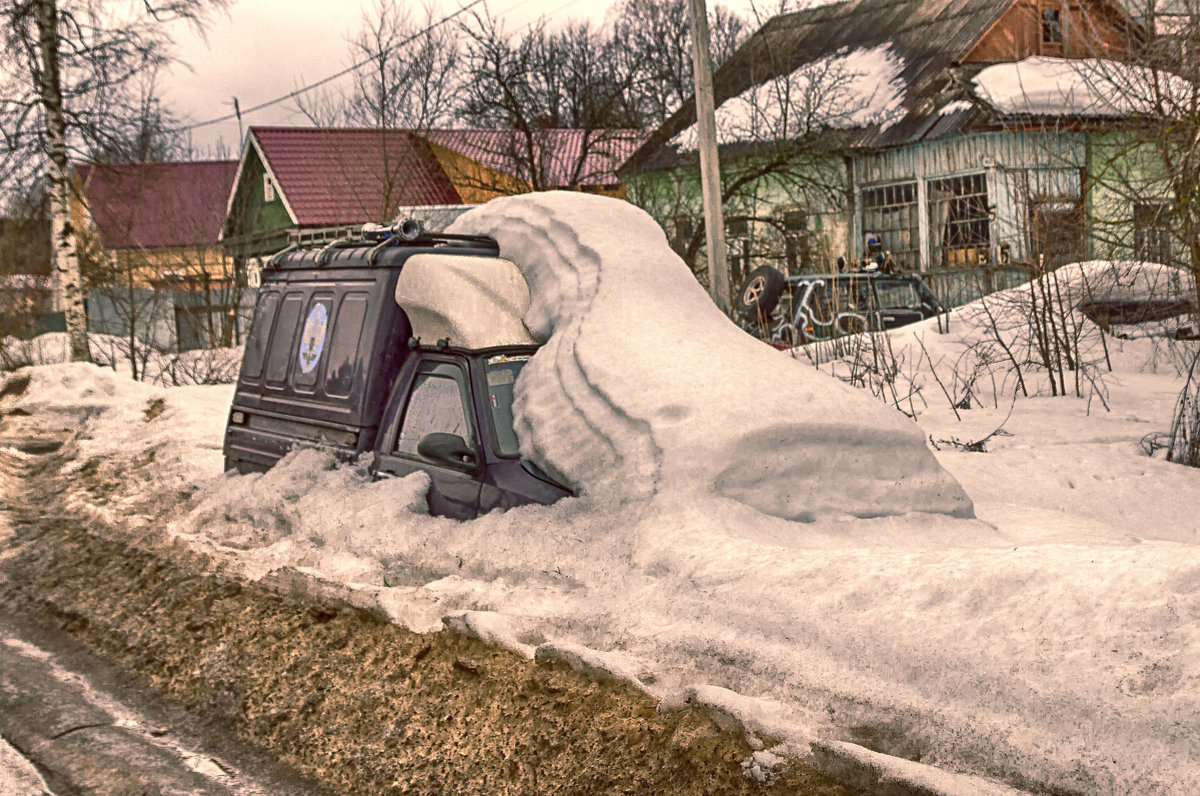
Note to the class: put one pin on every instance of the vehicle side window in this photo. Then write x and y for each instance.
(435, 405)
(260, 331)
(898, 295)
(281, 350)
(343, 347)
(502, 372)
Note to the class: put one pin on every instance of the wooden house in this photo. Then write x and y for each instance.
(881, 98)
(319, 181)
(148, 235)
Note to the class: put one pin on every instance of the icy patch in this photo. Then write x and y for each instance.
(603, 667)
(644, 387)
(19, 777)
(883, 773)
(488, 627)
(764, 766)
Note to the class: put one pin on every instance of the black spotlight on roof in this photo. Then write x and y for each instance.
(410, 229)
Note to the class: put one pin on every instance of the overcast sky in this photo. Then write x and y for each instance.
(265, 49)
(268, 48)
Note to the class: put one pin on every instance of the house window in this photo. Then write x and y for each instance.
(889, 212)
(268, 189)
(1059, 232)
(797, 246)
(1152, 232)
(959, 220)
(1051, 26)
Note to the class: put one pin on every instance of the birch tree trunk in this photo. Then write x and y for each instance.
(68, 287)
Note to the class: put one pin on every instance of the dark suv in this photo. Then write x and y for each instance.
(401, 343)
(790, 311)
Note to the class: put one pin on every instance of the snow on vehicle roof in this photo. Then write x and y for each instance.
(473, 302)
(644, 385)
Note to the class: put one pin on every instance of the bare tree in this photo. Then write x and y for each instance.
(1145, 179)
(656, 48)
(408, 76)
(71, 61)
(539, 82)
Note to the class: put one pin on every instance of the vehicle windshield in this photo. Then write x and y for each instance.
(897, 294)
(502, 374)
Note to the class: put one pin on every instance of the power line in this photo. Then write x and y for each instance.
(293, 94)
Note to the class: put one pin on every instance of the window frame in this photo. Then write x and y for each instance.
(461, 377)
(900, 200)
(1052, 26)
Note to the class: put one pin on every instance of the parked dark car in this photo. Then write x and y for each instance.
(791, 311)
(401, 343)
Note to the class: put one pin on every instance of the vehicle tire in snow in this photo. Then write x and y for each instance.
(760, 292)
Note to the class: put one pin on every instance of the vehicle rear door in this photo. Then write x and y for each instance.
(431, 407)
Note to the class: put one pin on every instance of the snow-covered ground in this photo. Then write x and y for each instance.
(725, 548)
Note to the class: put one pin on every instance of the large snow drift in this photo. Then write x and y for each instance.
(644, 386)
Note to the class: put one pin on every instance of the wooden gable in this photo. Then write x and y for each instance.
(1058, 28)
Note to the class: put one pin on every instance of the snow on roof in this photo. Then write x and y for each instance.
(645, 386)
(1044, 86)
(848, 89)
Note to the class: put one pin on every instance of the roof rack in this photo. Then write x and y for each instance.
(378, 237)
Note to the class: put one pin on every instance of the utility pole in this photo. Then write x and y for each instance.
(710, 166)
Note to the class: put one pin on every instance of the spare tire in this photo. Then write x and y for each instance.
(760, 292)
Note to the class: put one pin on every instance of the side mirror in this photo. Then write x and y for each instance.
(448, 449)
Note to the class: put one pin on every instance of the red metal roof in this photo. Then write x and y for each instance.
(560, 157)
(157, 205)
(347, 176)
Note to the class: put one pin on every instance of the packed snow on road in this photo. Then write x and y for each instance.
(755, 534)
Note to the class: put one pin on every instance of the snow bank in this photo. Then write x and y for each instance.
(644, 387)
(200, 366)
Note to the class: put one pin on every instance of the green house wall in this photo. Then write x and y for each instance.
(256, 227)
(1124, 171)
(755, 212)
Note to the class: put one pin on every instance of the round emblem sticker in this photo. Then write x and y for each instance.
(312, 341)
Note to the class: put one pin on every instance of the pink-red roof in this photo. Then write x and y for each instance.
(158, 205)
(562, 157)
(347, 176)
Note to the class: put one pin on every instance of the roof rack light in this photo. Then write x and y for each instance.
(410, 229)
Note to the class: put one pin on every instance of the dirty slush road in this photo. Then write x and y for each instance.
(340, 695)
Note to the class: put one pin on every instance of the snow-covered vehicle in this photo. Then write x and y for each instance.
(791, 311)
(399, 343)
